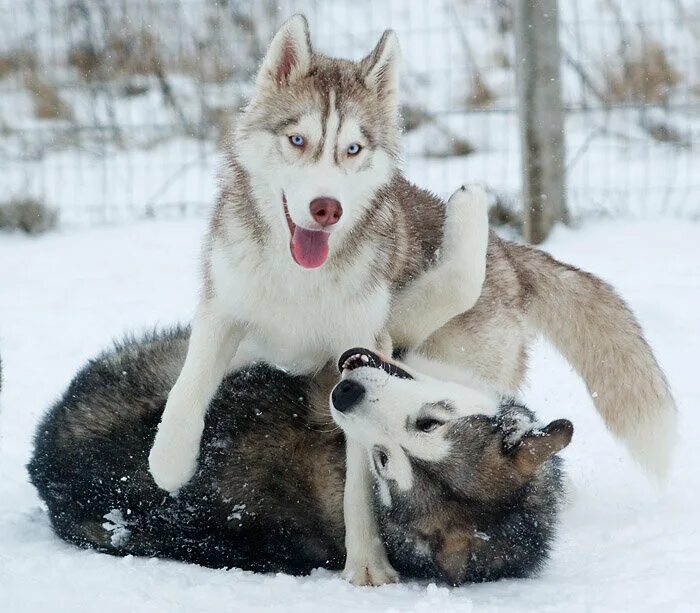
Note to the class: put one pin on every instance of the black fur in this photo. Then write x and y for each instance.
(268, 492)
(91, 453)
(480, 514)
(510, 537)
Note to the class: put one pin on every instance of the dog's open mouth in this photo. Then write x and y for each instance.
(360, 357)
(309, 247)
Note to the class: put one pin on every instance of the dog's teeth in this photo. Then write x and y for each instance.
(356, 361)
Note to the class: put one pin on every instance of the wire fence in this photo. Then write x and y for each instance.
(115, 109)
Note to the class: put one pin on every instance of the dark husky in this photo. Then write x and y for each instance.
(268, 494)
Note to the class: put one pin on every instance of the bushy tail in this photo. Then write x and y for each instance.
(594, 329)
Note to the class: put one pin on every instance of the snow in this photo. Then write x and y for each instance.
(118, 525)
(622, 545)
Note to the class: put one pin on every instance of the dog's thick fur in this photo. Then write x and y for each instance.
(388, 268)
(527, 293)
(268, 495)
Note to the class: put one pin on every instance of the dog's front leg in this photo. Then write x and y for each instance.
(366, 562)
(454, 284)
(213, 342)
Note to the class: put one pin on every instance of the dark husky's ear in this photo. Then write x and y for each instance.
(538, 446)
(289, 55)
(381, 67)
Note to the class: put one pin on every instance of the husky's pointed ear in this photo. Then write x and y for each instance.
(381, 67)
(538, 446)
(289, 55)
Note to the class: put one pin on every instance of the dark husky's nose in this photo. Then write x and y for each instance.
(346, 395)
(326, 211)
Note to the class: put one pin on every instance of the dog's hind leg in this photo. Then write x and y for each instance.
(366, 562)
(213, 343)
(454, 284)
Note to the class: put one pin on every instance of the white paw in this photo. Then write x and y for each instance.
(369, 570)
(470, 194)
(173, 458)
(466, 222)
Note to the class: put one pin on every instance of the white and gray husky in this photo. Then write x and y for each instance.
(318, 243)
(466, 486)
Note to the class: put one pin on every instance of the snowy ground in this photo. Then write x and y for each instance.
(623, 546)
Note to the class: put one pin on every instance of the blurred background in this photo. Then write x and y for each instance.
(113, 110)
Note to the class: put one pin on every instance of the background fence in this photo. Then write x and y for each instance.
(114, 109)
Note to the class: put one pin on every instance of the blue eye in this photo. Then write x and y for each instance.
(297, 140)
(354, 149)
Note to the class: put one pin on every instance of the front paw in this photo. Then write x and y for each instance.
(469, 195)
(372, 570)
(466, 220)
(173, 458)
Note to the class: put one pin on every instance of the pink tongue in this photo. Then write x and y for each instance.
(309, 247)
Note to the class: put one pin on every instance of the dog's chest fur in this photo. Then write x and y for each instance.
(297, 319)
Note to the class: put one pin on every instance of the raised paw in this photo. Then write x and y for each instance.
(365, 571)
(173, 458)
(466, 222)
(470, 194)
(469, 200)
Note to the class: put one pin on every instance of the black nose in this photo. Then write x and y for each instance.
(346, 395)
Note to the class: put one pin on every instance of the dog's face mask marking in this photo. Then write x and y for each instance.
(492, 457)
(319, 137)
(399, 415)
(420, 432)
